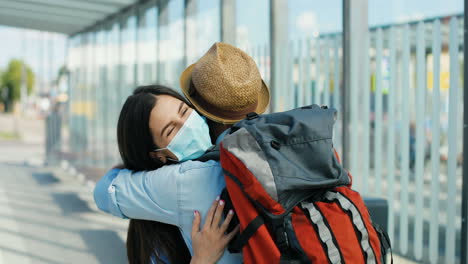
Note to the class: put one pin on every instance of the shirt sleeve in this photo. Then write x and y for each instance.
(103, 196)
(148, 195)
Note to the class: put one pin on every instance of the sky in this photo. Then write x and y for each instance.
(305, 18)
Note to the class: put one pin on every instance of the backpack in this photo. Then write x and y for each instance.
(292, 197)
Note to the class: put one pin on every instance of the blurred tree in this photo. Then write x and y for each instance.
(10, 83)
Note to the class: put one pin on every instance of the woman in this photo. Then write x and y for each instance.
(158, 126)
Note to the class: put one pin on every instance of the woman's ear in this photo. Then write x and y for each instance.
(157, 155)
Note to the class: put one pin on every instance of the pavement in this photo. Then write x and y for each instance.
(46, 214)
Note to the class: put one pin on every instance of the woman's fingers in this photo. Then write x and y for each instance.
(226, 222)
(231, 235)
(209, 216)
(218, 214)
(196, 223)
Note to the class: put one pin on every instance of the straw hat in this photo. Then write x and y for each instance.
(225, 85)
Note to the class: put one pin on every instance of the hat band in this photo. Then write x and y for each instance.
(216, 111)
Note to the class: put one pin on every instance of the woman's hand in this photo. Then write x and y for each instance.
(209, 242)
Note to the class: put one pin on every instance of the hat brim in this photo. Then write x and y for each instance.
(186, 77)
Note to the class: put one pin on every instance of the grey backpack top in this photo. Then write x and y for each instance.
(290, 153)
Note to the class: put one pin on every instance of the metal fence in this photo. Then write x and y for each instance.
(407, 135)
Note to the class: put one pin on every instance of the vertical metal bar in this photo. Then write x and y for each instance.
(435, 146)
(452, 142)
(158, 38)
(190, 9)
(308, 77)
(265, 64)
(268, 58)
(391, 134)
(420, 137)
(366, 118)
(291, 95)
(51, 59)
(317, 89)
(326, 66)
(228, 21)
(336, 91)
(346, 79)
(139, 14)
(336, 73)
(300, 75)
(464, 227)
(253, 52)
(378, 116)
(355, 26)
(23, 90)
(259, 58)
(279, 51)
(405, 144)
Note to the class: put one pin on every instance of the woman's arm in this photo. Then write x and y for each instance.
(160, 195)
(147, 195)
(210, 242)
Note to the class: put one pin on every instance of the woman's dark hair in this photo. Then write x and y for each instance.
(147, 239)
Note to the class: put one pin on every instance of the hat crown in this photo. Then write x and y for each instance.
(227, 77)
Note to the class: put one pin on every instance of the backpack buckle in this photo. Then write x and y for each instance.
(275, 144)
(282, 240)
(252, 115)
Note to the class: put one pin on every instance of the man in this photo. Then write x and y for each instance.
(224, 86)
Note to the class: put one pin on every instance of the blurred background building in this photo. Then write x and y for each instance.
(394, 70)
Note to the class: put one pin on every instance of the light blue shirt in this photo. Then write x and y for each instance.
(170, 195)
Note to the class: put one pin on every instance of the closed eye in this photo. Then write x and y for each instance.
(170, 131)
(185, 111)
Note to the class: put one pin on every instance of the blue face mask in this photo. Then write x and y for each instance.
(192, 140)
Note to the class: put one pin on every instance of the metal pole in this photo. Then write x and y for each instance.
(24, 76)
(228, 21)
(346, 83)
(355, 33)
(190, 12)
(464, 228)
(279, 54)
(51, 66)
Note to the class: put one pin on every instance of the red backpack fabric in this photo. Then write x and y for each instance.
(293, 199)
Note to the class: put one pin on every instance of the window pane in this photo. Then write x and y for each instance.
(253, 32)
(147, 45)
(114, 96)
(128, 54)
(171, 33)
(203, 27)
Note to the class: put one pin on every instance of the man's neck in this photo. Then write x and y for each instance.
(216, 129)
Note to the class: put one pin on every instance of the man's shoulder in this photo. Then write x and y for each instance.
(194, 165)
(186, 167)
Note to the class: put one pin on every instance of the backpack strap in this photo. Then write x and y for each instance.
(211, 154)
(241, 239)
(237, 244)
(385, 243)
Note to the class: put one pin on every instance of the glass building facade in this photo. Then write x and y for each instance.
(153, 42)
(395, 78)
